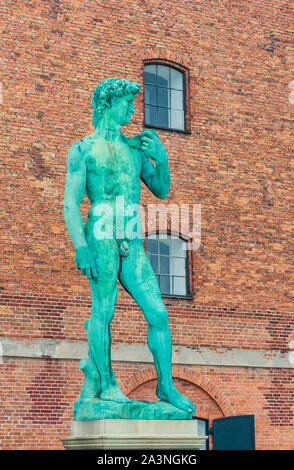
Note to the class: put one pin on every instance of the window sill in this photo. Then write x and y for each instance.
(181, 131)
(181, 297)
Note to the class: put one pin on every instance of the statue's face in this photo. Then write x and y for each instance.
(122, 108)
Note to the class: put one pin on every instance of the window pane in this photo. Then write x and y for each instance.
(163, 114)
(163, 97)
(177, 81)
(177, 119)
(164, 265)
(164, 284)
(162, 75)
(150, 74)
(178, 266)
(164, 247)
(176, 99)
(179, 286)
(150, 115)
(150, 94)
(178, 247)
(154, 262)
(151, 246)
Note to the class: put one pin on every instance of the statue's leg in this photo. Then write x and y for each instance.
(104, 293)
(137, 277)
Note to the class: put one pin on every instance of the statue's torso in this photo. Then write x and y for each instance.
(112, 178)
(113, 169)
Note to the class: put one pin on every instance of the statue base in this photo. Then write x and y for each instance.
(94, 408)
(133, 434)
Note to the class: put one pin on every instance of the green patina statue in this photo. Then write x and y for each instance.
(108, 166)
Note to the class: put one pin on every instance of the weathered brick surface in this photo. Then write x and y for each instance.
(235, 162)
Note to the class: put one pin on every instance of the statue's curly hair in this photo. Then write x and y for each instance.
(111, 87)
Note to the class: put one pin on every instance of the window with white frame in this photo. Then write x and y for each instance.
(168, 258)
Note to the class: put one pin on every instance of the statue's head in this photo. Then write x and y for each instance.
(109, 93)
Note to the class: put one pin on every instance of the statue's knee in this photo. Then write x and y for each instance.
(101, 317)
(160, 318)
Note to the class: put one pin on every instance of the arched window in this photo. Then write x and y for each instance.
(164, 97)
(168, 258)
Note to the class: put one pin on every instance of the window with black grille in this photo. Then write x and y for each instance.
(164, 97)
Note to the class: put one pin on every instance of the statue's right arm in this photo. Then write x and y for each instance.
(75, 185)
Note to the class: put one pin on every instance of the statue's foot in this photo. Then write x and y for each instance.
(113, 393)
(173, 396)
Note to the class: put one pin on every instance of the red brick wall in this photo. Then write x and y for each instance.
(235, 163)
(192, 323)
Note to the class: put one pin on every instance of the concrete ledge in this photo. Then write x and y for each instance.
(73, 350)
(133, 434)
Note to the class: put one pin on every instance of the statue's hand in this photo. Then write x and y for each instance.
(136, 142)
(85, 261)
(152, 147)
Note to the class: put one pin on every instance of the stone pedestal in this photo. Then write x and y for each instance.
(134, 434)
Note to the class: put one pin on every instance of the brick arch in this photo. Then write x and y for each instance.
(181, 372)
(161, 53)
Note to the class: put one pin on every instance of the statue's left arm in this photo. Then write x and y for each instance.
(156, 178)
